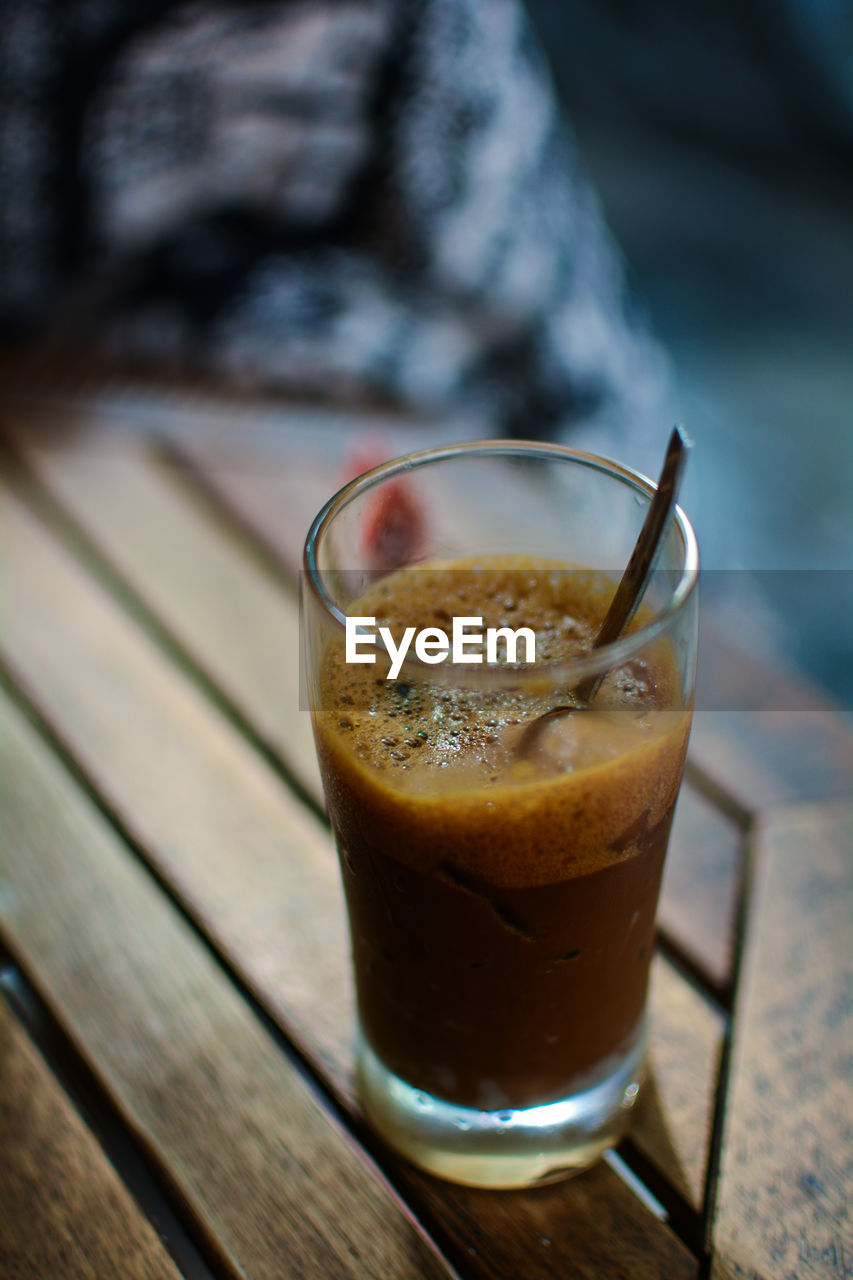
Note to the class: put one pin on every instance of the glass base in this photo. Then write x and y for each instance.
(508, 1148)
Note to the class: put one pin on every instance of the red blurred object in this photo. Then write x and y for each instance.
(393, 531)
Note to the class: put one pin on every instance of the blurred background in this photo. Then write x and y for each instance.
(719, 138)
(365, 198)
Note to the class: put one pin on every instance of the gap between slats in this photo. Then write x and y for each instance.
(202, 596)
(95, 1144)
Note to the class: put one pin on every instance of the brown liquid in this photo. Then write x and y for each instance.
(501, 909)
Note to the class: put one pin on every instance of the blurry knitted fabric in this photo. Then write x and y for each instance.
(348, 194)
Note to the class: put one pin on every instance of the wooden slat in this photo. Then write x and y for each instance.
(784, 1195)
(215, 821)
(63, 1209)
(589, 1228)
(245, 1143)
(700, 887)
(253, 490)
(673, 1123)
(276, 492)
(275, 502)
(765, 735)
(247, 861)
(242, 447)
(237, 624)
(784, 755)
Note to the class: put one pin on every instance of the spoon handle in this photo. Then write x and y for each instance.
(635, 579)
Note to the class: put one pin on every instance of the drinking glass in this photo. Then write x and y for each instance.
(501, 880)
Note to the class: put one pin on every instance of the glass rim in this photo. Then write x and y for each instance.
(604, 659)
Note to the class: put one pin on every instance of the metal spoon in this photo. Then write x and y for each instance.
(633, 583)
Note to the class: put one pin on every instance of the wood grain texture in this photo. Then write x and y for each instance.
(246, 1144)
(764, 758)
(63, 1209)
(461, 509)
(700, 886)
(787, 1177)
(241, 852)
(674, 1114)
(276, 500)
(242, 447)
(238, 624)
(248, 862)
(790, 750)
(588, 1228)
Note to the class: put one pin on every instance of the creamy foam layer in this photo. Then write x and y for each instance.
(434, 775)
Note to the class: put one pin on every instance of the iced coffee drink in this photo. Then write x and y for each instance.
(501, 884)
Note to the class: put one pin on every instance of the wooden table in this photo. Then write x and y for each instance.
(175, 1041)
